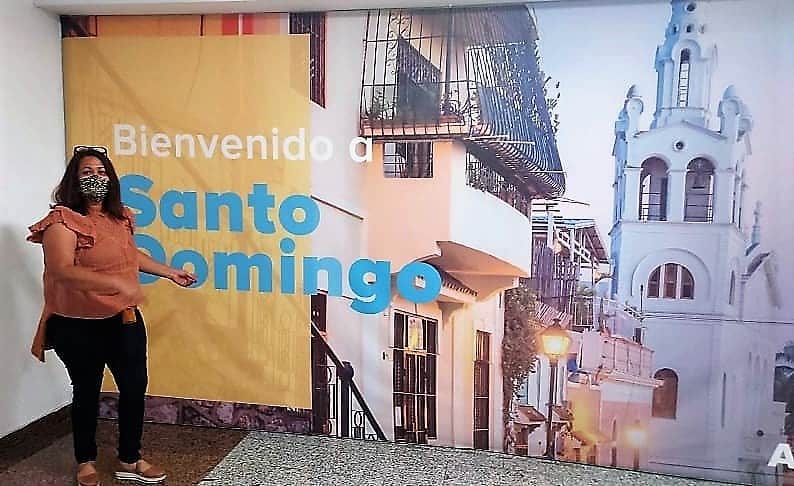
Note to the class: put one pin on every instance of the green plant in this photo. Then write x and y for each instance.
(519, 351)
(552, 101)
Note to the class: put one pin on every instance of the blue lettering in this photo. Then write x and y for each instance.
(146, 207)
(287, 266)
(200, 267)
(189, 217)
(311, 212)
(233, 203)
(261, 201)
(370, 281)
(311, 269)
(407, 276)
(379, 290)
(243, 264)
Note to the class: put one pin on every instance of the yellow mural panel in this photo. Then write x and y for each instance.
(144, 97)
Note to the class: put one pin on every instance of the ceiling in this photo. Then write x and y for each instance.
(129, 7)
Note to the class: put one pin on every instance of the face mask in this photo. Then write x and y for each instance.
(94, 187)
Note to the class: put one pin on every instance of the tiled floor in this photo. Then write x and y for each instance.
(190, 454)
(277, 459)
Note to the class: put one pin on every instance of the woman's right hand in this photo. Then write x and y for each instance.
(130, 291)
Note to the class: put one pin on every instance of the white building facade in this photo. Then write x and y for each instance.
(680, 253)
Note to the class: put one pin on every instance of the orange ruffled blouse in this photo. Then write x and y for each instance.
(104, 245)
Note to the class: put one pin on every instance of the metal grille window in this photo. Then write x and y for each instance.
(313, 24)
(414, 375)
(418, 96)
(683, 79)
(469, 74)
(482, 391)
(671, 281)
(409, 160)
(699, 198)
(653, 190)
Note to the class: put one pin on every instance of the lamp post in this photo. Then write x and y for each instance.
(636, 437)
(554, 341)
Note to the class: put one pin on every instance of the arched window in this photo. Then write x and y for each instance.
(732, 289)
(671, 281)
(665, 397)
(683, 76)
(699, 198)
(653, 190)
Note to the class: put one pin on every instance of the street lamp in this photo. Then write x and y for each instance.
(636, 437)
(554, 342)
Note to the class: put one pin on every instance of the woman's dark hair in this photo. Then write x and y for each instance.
(68, 191)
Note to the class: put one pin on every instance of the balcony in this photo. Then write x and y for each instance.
(483, 177)
(603, 356)
(553, 279)
(421, 206)
(467, 74)
(627, 357)
(619, 319)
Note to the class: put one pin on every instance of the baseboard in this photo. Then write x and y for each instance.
(34, 437)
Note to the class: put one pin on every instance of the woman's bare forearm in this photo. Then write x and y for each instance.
(83, 279)
(151, 266)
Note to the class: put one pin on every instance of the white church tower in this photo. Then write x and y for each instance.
(679, 252)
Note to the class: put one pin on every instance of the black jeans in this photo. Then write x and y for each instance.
(85, 346)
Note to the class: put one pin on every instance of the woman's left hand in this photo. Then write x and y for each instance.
(182, 278)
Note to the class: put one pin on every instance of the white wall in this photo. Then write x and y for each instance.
(32, 139)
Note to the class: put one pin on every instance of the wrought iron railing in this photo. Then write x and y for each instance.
(342, 410)
(699, 208)
(653, 206)
(483, 177)
(620, 319)
(554, 278)
(471, 74)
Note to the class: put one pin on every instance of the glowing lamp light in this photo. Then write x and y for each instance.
(555, 341)
(636, 436)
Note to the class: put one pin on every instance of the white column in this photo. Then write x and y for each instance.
(676, 184)
(631, 194)
(723, 196)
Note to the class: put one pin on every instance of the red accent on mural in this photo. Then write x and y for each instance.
(230, 24)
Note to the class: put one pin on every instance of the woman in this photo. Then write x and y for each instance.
(90, 316)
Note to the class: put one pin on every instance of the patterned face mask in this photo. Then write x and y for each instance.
(94, 187)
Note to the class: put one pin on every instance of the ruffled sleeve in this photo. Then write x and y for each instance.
(71, 219)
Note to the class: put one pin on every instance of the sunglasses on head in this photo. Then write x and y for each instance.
(82, 148)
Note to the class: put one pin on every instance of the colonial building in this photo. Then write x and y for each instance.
(682, 254)
(605, 386)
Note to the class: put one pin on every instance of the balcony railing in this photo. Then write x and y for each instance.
(553, 279)
(620, 319)
(626, 357)
(652, 212)
(471, 74)
(340, 409)
(483, 177)
(699, 208)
